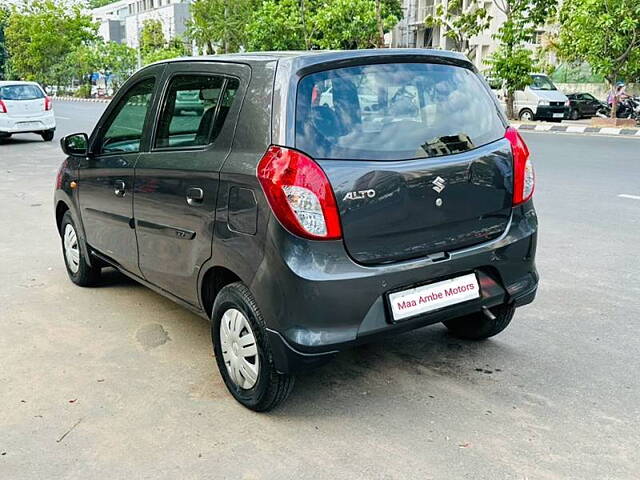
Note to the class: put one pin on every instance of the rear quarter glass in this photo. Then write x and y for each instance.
(394, 111)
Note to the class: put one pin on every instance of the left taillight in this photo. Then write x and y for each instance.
(3, 107)
(523, 175)
(299, 194)
(48, 103)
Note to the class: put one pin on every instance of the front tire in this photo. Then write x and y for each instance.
(73, 251)
(574, 115)
(478, 326)
(243, 353)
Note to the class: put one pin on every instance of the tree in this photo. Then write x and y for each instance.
(98, 3)
(154, 47)
(4, 19)
(279, 25)
(349, 24)
(460, 23)
(220, 23)
(605, 34)
(512, 61)
(41, 33)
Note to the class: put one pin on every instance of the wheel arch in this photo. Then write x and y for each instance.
(213, 280)
(61, 209)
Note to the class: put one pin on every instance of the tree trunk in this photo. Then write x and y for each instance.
(380, 42)
(509, 100)
(304, 26)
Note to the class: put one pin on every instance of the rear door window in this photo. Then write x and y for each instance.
(20, 92)
(194, 110)
(394, 112)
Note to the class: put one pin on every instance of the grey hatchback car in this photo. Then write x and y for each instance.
(311, 202)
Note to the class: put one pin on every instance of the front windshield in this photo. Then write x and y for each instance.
(541, 82)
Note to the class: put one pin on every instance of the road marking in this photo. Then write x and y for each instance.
(62, 118)
(610, 130)
(543, 128)
(575, 129)
(632, 197)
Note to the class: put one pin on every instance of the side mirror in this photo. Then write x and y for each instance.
(76, 144)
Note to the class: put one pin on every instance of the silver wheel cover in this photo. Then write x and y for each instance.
(71, 248)
(239, 349)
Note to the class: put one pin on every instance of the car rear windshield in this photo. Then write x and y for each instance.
(394, 111)
(20, 92)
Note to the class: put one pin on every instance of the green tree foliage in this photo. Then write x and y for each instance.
(220, 24)
(4, 19)
(603, 33)
(349, 24)
(98, 3)
(278, 25)
(460, 23)
(154, 47)
(334, 24)
(41, 33)
(512, 62)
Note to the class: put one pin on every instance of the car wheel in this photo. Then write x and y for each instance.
(479, 326)
(47, 135)
(243, 353)
(526, 114)
(79, 271)
(574, 115)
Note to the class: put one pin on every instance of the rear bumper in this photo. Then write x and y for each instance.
(33, 124)
(318, 301)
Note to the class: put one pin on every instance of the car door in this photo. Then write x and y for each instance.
(106, 176)
(591, 104)
(176, 181)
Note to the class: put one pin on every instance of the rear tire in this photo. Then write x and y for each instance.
(73, 252)
(479, 326)
(47, 135)
(250, 377)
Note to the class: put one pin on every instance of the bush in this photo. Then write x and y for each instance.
(84, 91)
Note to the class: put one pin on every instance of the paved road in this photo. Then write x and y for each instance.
(556, 396)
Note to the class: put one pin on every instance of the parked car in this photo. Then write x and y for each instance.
(541, 100)
(301, 229)
(583, 105)
(25, 108)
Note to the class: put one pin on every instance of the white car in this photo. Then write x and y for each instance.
(25, 108)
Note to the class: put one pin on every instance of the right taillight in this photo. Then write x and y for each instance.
(299, 194)
(3, 107)
(523, 176)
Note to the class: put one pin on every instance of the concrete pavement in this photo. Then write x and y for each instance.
(118, 382)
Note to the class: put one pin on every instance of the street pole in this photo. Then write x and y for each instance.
(138, 53)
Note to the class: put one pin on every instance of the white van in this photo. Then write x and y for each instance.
(541, 100)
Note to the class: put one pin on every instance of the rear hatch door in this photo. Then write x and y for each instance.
(415, 154)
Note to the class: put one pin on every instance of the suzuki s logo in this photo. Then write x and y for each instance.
(439, 184)
(360, 194)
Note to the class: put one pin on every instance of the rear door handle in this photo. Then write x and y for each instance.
(119, 188)
(195, 196)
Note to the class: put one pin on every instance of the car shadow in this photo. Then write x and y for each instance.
(425, 360)
(13, 140)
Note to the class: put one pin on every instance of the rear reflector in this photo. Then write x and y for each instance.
(299, 194)
(523, 175)
(48, 103)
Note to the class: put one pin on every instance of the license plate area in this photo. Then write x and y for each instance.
(558, 115)
(411, 302)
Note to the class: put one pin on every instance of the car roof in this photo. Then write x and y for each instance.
(4, 83)
(313, 57)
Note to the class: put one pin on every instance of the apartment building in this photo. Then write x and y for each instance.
(121, 21)
(411, 31)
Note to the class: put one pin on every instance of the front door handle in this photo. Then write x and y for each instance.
(119, 188)
(195, 196)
